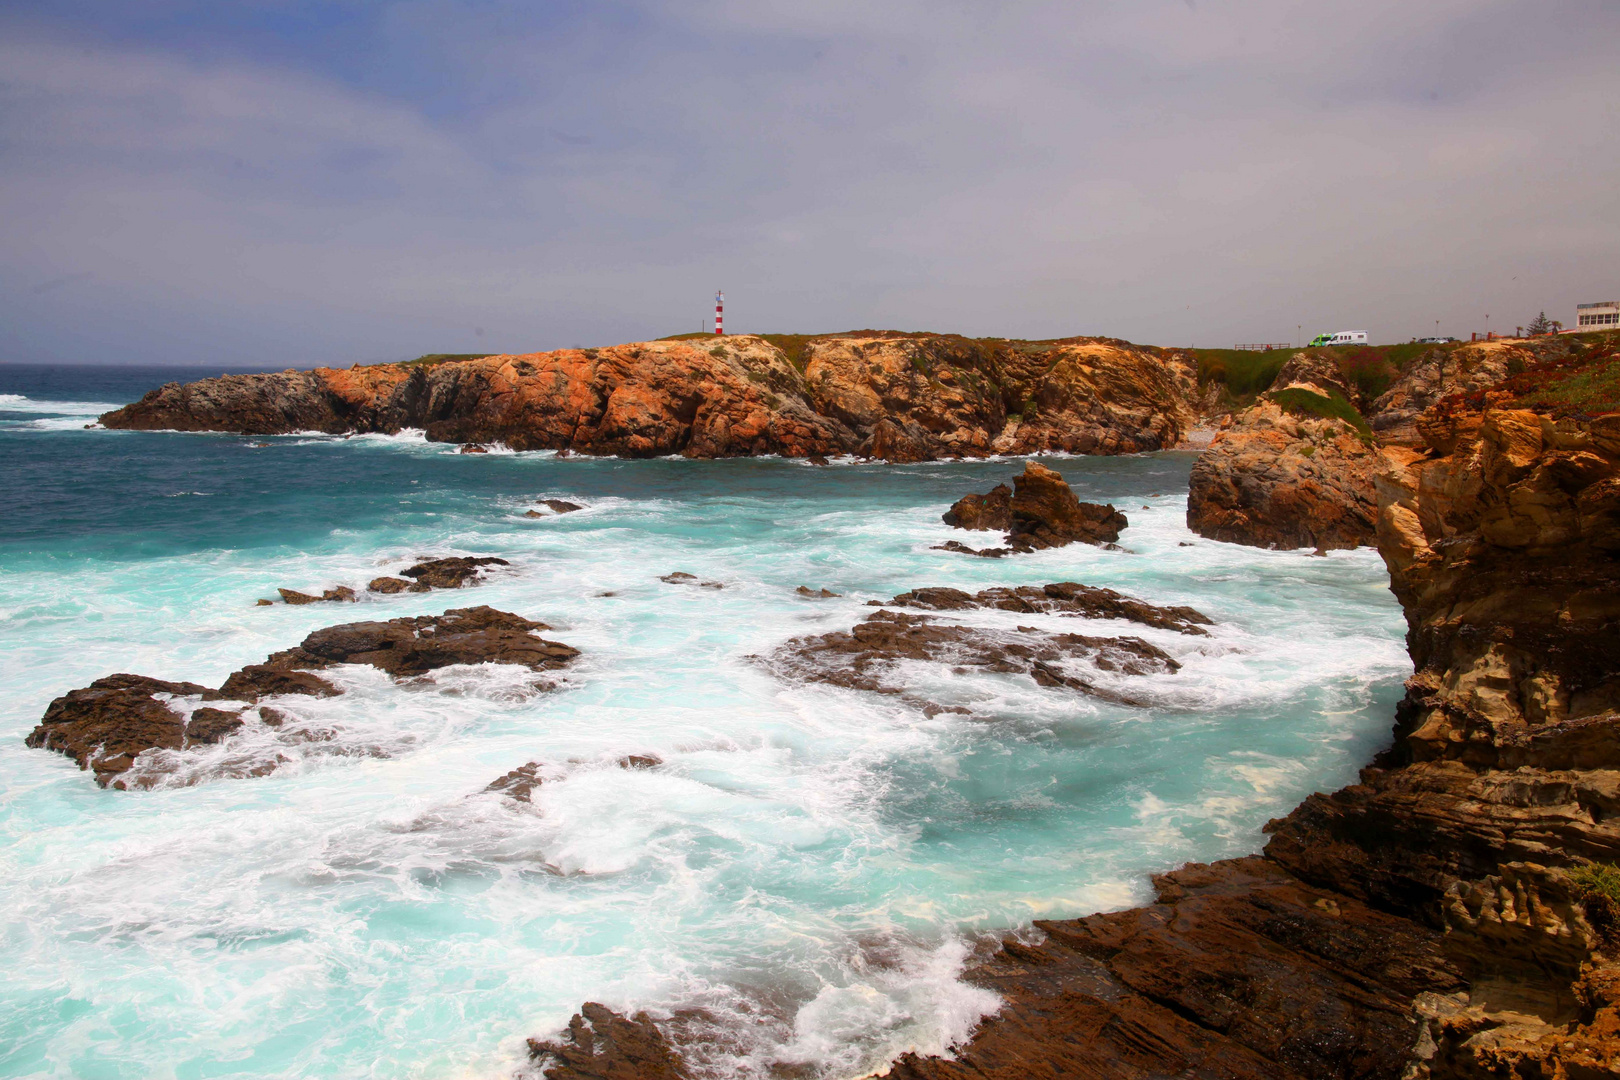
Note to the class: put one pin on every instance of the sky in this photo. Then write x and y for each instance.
(288, 183)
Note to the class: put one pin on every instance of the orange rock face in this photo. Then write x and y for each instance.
(901, 398)
(1282, 481)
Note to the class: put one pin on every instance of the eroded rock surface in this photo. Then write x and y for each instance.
(883, 395)
(1063, 597)
(106, 725)
(1041, 512)
(1278, 480)
(864, 657)
(600, 1044)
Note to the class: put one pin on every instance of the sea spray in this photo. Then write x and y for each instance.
(810, 865)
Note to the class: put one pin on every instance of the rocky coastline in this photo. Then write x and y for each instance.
(885, 395)
(1454, 914)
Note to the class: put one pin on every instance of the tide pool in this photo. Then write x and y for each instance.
(810, 865)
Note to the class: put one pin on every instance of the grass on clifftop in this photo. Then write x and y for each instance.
(1302, 402)
(433, 359)
(1585, 383)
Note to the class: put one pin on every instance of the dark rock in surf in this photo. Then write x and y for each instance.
(817, 594)
(561, 506)
(681, 577)
(473, 448)
(520, 783)
(991, 511)
(1238, 970)
(864, 657)
(1060, 597)
(601, 1044)
(450, 573)
(106, 725)
(391, 585)
(963, 549)
(1041, 513)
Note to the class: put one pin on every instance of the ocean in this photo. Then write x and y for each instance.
(812, 866)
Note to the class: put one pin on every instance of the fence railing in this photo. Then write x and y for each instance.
(1264, 346)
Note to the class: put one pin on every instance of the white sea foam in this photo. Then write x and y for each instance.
(341, 896)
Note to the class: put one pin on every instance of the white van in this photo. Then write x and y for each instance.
(1343, 337)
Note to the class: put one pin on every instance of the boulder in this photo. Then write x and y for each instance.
(1041, 513)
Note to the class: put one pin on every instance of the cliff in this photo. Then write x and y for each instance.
(1454, 914)
(893, 396)
(1286, 472)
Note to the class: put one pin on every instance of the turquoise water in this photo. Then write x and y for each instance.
(809, 864)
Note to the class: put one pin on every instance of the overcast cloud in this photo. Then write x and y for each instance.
(285, 183)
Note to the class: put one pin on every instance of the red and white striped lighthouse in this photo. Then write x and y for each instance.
(719, 306)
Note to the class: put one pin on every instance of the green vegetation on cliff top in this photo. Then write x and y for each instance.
(1302, 402)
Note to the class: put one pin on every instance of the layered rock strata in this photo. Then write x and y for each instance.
(1477, 844)
(106, 726)
(892, 396)
(1041, 512)
(1454, 915)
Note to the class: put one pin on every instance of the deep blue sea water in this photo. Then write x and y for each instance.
(809, 863)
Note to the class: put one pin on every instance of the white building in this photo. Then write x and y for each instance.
(1604, 314)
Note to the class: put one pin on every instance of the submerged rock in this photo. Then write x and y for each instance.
(520, 783)
(819, 594)
(1041, 513)
(681, 577)
(106, 725)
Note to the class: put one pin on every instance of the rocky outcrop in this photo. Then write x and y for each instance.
(107, 725)
(1236, 971)
(866, 657)
(1453, 914)
(893, 396)
(1041, 513)
(1437, 374)
(923, 396)
(425, 576)
(1274, 478)
(1068, 598)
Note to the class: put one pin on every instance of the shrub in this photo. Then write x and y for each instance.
(1370, 370)
(1597, 887)
(1244, 373)
(1302, 402)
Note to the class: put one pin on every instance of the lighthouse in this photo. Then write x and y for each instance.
(719, 305)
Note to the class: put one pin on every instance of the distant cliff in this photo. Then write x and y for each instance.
(900, 397)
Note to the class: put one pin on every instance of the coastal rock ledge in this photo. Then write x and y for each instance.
(899, 397)
(1454, 915)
